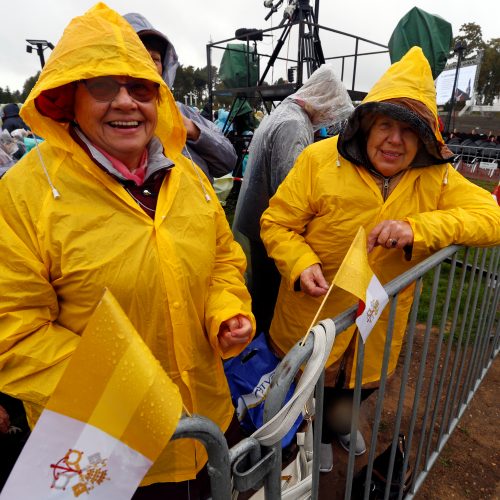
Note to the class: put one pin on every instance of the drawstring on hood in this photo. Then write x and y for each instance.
(55, 192)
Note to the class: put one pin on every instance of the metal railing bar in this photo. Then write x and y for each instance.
(318, 418)
(449, 345)
(359, 54)
(204, 430)
(435, 367)
(470, 366)
(496, 342)
(380, 398)
(282, 380)
(459, 361)
(349, 35)
(493, 309)
(483, 315)
(458, 302)
(403, 280)
(495, 336)
(467, 349)
(421, 372)
(355, 414)
(406, 370)
(383, 376)
(247, 446)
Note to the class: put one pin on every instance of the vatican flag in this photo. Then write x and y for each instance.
(356, 277)
(111, 415)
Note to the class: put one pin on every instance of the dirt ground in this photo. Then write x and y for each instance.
(467, 468)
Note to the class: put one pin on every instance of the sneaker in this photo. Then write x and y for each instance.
(325, 457)
(345, 442)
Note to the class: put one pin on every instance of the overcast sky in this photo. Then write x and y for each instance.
(191, 24)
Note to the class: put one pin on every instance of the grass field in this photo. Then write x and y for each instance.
(485, 184)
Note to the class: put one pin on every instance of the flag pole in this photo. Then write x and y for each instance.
(303, 341)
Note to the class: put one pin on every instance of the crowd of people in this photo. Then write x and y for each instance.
(119, 196)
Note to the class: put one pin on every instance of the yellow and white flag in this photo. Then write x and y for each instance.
(111, 415)
(356, 277)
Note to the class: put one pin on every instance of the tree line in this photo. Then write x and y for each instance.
(195, 80)
(187, 80)
(488, 82)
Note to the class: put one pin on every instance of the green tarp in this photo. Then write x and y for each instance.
(431, 32)
(238, 67)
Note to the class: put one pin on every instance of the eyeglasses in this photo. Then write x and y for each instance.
(106, 88)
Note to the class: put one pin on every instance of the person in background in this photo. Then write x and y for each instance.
(279, 139)
(205, 112)
(10, 118)
(389, 172)
(205, 145)
(111, 203)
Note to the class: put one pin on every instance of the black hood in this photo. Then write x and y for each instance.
(10, 110)
(352, 139)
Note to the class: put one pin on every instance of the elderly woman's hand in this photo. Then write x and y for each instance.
(313, 282)
(235, 330)
(390, 234)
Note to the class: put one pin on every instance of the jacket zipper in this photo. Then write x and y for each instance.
(385, 187)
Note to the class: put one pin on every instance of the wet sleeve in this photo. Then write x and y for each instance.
(466, 215)
(227, 294)
(211, 145)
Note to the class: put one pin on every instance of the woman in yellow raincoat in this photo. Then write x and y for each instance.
(388, 171)
(109, 201)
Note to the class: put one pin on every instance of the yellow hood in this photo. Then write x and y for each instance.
(101, 43)
(410, 77)
(405, 92)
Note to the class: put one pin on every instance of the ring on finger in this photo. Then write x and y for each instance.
(393, 242)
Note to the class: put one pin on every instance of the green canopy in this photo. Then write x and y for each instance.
(430, 32)
(238, 67)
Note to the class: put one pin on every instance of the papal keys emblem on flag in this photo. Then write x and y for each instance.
(78, 473)
(373, 311)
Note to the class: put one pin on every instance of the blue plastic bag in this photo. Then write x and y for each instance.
(249, 376)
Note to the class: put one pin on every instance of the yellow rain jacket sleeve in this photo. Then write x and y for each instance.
(177, 277)
(318, 209)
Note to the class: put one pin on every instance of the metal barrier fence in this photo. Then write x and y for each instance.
(473, 157)
(451, 340)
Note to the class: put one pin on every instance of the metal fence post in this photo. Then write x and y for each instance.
(204, 430)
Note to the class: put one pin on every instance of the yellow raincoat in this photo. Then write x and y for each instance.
(177, 277)
(318, 209)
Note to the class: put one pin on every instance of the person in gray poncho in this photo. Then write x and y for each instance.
(276, 144)
(205, 144)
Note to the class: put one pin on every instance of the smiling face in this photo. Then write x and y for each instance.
(122, 127)
(391, 146)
